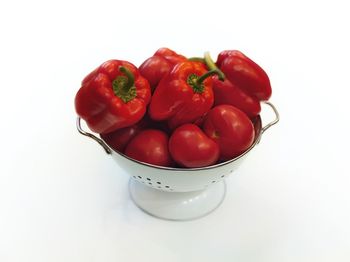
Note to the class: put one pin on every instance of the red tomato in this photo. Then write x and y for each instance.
(231, 129)
(150, 146)
(120, 138)
(191, 147)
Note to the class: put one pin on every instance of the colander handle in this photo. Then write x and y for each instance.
(275, 121)
(98, 140)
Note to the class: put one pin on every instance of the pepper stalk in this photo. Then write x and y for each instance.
(196, 82)
(212, 66)
(124, 86)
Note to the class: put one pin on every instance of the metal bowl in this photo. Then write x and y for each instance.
(179, 193)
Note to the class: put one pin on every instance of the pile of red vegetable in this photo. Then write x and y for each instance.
(174, 111)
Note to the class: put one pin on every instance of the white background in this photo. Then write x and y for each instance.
(63, 199)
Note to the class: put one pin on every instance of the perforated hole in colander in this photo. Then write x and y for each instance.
(154, 184)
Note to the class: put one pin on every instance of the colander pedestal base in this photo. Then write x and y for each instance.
(177, 205)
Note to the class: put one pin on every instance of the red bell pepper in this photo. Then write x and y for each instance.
(245, 74)
(155, 67)
(225, 92)
(113, 96)
(183, 95)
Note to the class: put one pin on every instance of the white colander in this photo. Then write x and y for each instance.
(179, 193)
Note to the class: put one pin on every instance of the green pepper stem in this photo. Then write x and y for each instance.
(130, 77)
(212, 66)
(201, 79)
(123, 86)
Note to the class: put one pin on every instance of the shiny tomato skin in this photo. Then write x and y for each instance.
(150, 146)
(189, 146)
(232, 130)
